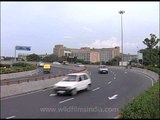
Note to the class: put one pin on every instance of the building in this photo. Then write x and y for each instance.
(128, 57)
(22, 56)
(106, 54)
(87, 54)
(67, 53)
(59, 50)
(82, 53)
(117, 51)
(94, 57)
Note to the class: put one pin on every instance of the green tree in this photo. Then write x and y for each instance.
(151, 53)
(114, 61)
(33, 57)
(152, 42)
(50, 58)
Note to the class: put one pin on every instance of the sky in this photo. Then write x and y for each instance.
(42, 25)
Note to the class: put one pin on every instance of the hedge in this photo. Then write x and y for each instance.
(146, 105)
(17, 67)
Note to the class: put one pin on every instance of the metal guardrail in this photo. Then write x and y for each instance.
(9, 82)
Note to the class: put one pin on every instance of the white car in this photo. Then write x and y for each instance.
(103, 69)
(73, 83)
(79, 65)
(56, 63)
(40, 64)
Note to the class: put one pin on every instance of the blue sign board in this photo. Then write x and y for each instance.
(23, 48)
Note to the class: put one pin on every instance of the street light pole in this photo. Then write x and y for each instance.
(121, 12)
(138, 55)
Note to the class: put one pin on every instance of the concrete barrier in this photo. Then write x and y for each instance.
(14, 89)
(19, 74)
(149, 73)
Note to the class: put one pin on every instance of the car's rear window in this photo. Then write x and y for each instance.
(70, 78)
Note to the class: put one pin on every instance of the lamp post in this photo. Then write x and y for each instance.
(138, 55)
(121, 12)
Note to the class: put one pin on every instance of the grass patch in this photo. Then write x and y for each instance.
(17, 67)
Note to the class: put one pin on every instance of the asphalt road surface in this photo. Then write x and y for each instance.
(108, 94)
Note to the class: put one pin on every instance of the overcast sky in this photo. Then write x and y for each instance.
(42, 25)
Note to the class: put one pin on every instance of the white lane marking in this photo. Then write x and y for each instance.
(113, 97)
(65, 100)
(125, 72)
(90, 73)
(150, 79)
(96, 89)
(114, 78)
(52, 95)
(145, 76)
(109, 82)
(10, 117)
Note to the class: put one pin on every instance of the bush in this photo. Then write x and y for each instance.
(154, 69)
(144, 106)
(5, 65)
(18, 67)
(21, 64)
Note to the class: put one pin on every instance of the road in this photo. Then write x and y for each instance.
(108, 94)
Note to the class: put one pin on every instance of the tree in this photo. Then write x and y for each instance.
(33, 57)
(151, 53)
(50, 58)
(152, 42)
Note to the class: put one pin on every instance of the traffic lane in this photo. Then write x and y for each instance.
(91, 99)
(97, 104)
(99, 79)
(24, 108)
(28, 105)
(131, 85)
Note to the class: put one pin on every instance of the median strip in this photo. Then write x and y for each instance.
(65, 100)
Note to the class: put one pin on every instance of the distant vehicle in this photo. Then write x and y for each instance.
(56, 63)
(73, 83)
(65, 63)
(40, 64)
(79, 65)
(103, 69)
(47, 68)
